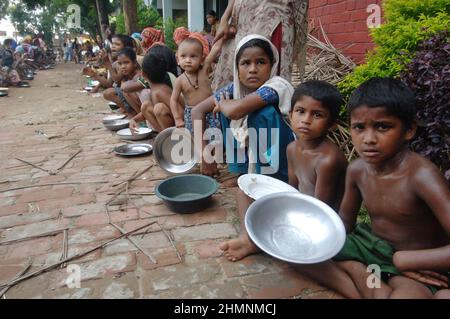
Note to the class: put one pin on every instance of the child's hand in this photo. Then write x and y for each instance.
(222, 102)
(428, 278)
(209, 169)
(134, 128)
(88, 71)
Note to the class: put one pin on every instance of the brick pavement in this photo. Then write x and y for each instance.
(120, 270)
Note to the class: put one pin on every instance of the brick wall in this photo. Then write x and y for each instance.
(345, 24)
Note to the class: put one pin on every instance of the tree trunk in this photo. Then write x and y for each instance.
(102, 16)
(130, 13)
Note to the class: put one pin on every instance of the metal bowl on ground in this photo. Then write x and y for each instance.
(24, 85)
(187, 193)
(117, 124)
(133, 149)
(28, 78)
(174, 150)
(3, 93)
(296, 228)
(113, 117)
(142, 134)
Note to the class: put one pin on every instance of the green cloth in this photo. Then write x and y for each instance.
(363, 246)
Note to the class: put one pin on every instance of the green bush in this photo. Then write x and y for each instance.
(147, 16)
(408, 23)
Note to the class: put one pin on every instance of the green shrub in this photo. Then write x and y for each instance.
(408, 23)
(147, 16)
(169, 27)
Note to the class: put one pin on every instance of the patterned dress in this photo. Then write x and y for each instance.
(264, 17)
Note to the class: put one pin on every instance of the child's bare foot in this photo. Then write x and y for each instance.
(238, 248)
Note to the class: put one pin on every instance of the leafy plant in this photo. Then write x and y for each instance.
(147, 17)
(409, 22)
(428, 75)
(169, 27)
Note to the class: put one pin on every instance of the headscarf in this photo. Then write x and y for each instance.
(283, 88)
(150, 37)
(180, 34)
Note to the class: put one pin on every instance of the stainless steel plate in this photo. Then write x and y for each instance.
(174, 150)
(133, 149)
(117, 124)
(125, 134)
(296, 228)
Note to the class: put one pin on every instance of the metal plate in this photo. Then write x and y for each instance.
(133, 149)
(117, 124)
(125, 134)
(257, 185)
(296, 228)
(3, 93)
(24, 85)
(168, 150)
(113, 117)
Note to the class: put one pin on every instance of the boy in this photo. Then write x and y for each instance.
(315, 165)
(407, 198)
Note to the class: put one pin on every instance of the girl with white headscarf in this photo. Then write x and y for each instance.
(255, 102)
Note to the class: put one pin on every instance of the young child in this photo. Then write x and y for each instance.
(129, 71)
(114, 92)
(194, 83)
(316, 166)
(157, 110)
(407, 199)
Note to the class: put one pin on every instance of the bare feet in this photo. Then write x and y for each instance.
(238, 248)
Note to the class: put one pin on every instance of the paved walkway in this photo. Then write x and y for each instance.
(46, 125)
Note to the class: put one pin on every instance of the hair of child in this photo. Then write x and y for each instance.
(326, 93)
(154, 67)
(390, 93)
(128, 52)
(126, 40)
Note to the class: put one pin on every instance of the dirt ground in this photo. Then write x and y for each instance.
(48, 214)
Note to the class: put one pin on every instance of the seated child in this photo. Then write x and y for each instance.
(194, 83)
(315, 165)
(157, 110)
(145, 94)
(407, 199)
(114, 92)
(129, 70)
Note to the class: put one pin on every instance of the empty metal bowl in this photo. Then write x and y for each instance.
(174, 150)
(187, 193)
(117, 124)
(125, 134)
(296, 228)
(133, 149)
(113, 106)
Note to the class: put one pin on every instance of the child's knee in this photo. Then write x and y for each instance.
(146, 107)
(161, 109)
(109, 94)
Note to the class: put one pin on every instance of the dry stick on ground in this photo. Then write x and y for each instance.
(55, 265)
(171, 241)
(50, 233)
(51, 184)
(65, 249)
(3, 292)
(67, 162)
(35, 166)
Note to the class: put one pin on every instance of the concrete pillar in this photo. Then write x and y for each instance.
(195, 15)
(167, 8)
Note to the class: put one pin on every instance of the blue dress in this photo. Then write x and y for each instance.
(269, 136)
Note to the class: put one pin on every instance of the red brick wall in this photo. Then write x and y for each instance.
(345, 24)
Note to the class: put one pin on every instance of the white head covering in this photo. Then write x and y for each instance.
(283, 88)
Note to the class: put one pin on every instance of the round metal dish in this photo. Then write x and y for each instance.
(174, 150)
(117, 124)
(24, 85)
(257, 185)
(296, 228)
(133, 149)
(113, 117)
(88, 88)
(3, 93)
(187, 193)
(113, 106)
(125, 134)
